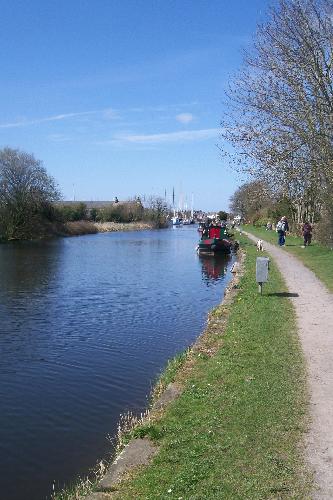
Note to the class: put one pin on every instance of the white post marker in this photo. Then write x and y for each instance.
(262, 267)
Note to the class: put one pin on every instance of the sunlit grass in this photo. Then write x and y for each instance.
(316, 257)
(236, 431)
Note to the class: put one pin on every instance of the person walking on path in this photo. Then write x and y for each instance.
(314, 311)
(281, 228)
(307, 233)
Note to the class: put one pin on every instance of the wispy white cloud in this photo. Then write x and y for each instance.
(182, 136)
(185, 118)
(107, 113)
(54, 118)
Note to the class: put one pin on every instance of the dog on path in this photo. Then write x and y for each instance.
(260, 246)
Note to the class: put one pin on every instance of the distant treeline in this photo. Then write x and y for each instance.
(156, 211)
(30, 205)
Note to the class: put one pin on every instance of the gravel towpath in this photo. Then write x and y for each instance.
(314, 309)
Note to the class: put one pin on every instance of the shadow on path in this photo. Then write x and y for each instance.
(282, 294)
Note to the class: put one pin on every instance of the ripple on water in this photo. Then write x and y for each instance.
(87, 325)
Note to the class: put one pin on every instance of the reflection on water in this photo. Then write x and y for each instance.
(214, 267)
(87, 324)
(28, 273)
(27, 267)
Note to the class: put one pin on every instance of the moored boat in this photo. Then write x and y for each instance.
(214, 239)
(176, 221)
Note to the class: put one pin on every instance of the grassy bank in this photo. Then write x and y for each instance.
(236, 431)
(316, 257)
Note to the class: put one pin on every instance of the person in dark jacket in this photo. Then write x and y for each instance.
(307, 233)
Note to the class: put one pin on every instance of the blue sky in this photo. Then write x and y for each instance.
(124, 97)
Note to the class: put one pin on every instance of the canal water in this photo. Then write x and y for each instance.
(87, 324)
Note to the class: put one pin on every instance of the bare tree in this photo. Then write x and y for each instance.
(157, 211)
(281, 104)
(250, 198)
(26, 194)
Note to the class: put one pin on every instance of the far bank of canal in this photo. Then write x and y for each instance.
(87, 325)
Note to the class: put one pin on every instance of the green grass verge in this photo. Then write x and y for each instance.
(236, 431)
(316, 257)
(169, 373)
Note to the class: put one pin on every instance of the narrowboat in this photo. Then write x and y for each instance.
(214, 239)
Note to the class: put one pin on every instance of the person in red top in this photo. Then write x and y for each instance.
(307, 233)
